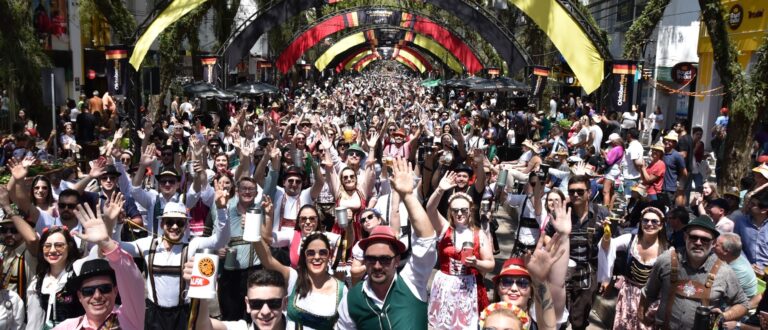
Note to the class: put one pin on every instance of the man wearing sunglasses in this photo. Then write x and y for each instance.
(386, 299)
(265, 302)
(289, 198)
(167, 306)
(683, 280)
(581, 281)
(97, 280)
(154, 200)
(112, 179)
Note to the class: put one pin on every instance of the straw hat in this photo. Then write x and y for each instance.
(672, 136)
(658, 146)
(531, 145)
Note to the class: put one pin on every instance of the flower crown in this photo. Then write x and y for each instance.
(460, 195)
(517, 311)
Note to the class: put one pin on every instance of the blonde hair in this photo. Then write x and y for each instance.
(460, 195)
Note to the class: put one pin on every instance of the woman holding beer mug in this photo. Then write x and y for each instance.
(313, 293)
(464, 255)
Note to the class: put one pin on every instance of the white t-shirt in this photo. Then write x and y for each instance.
(658, 120)
(629, 120)
(552, 108)
(598, 133)
(633, 152)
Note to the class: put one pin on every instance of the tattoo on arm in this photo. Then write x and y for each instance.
(544, 298)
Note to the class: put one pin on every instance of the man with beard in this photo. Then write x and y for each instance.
(165, 256)
(685, 280)
(463, 175)
(388, 299)
(290, 198)
(98, 281)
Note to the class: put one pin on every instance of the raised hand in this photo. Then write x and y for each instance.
(579, 169)
(326, 142)
(561, 219)
(478, 156)
(17, 168)
(98, 168)
(246, 150)
(274, 151)
(94, 229)
(267, 206)
(540, 262)
(372, 141)
(402, 176)
(148, 156)
(113, 208)
(222, 195)
(448, 181)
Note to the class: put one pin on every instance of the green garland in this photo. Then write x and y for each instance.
(640, 31)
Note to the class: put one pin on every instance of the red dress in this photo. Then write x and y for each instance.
(458, 294)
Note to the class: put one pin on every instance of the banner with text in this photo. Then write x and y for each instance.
(538, 79)
(623, 75)
(117, 65)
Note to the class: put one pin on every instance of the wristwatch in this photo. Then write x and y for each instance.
(738, 326)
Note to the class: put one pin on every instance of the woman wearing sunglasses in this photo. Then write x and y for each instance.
(307, 222)
(464, 255)
(642, 250)
(313, 294)
(49, 299)
(369, 220)
(523, 286)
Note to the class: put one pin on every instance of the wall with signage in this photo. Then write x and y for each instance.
(747, 25)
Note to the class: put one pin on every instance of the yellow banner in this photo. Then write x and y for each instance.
(416, 62)
(338, 48)
(569, 38)
(356, 59)
(439, 51)
(175, 11)
(746, 22)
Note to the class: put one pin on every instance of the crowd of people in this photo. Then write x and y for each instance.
(381, 201)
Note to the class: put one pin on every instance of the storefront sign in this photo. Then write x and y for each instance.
(683, 73)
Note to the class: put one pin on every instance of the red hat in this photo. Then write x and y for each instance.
(399, 132)
(512, 267)
(294, 171)
(383, 234)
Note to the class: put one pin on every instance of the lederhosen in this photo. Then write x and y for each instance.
(524, 222)
(688, 289)
(583, 251)
(289, 223)
(20, 276)
(166, 318)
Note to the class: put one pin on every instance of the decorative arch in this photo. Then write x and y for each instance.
(477, 17)
(365, 16)
(360, 38)
(399, 55)
(437, 55)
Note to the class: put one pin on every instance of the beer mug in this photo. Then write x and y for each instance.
(349, 136)
(467, 250)
(341, 217)
(230, 260)
(253, 220)
(202, 285)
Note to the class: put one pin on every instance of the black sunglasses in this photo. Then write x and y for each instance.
(322, 253)
(703, 240)
(67, 206)
(507, 282)
(273, 304)
(167, 181)
(383, 260)
(91, 290)
(178, 222)
(369, 217)
(8, 230)
(576, 191)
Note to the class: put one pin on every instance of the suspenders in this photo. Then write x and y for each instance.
(152, 269)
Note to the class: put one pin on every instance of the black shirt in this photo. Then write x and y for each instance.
(86, 127)
(685, 144)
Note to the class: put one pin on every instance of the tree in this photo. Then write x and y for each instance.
(747, 96)
(23, 59)
(639, 33)
(121, 20)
